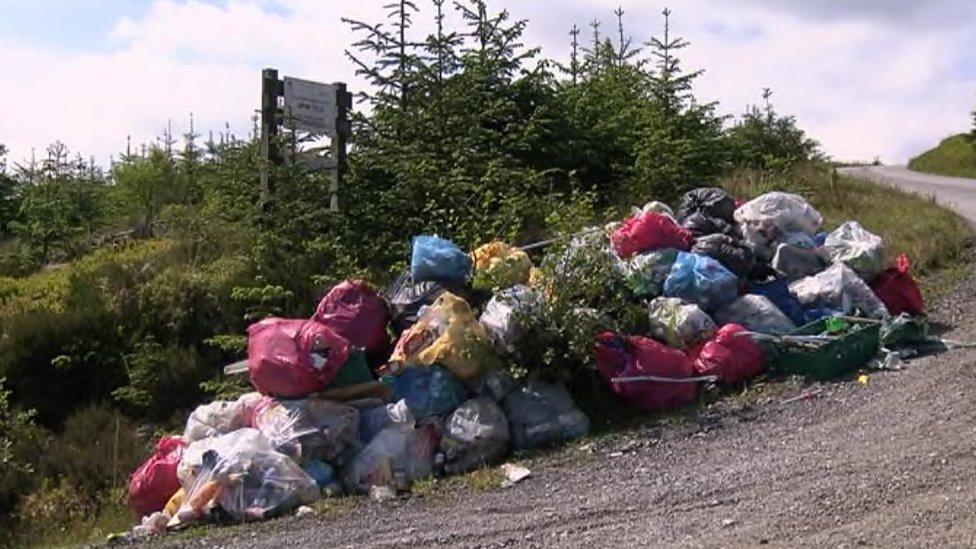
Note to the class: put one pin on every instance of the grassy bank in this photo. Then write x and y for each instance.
(955, 156)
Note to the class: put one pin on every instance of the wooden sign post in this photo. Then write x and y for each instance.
(320, 109)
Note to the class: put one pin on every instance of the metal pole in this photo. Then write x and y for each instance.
(270, 90)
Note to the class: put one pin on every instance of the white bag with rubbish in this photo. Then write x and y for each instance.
(397, 455)
(777, 218)
(476, 434)
(242, 475)
(788, 212)
(755, 313)
(856, 247)
(505, 315)
(657, 207)
(841, 289)
(679, 324)
(220, 417)
(310, 428)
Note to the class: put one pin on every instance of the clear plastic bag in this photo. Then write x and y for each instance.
(396, 456)
(788, 212)
(476, 434)
(839, 288)
(505, 315)
(755, 313)
(677, 323)
(542, 414)
(795, 262)
(241, 477)
(312, 428)
(220, 417)
(856, 247)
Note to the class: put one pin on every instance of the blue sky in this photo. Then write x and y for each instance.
(868, 78)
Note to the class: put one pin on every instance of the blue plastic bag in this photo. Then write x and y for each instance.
(429, 392)
(438, 259)
(778, 291)
(701, 280)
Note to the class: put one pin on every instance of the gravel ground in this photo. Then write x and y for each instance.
(890, 463)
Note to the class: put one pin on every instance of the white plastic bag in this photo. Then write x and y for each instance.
(839, 288)
(679, 324)
(505, 315)
(241, 474)
(396, 456)
(755, 313)
(220, 417)
(788, 212)
(856, 247)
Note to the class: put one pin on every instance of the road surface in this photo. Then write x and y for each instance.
(958, 193)
(887, 463)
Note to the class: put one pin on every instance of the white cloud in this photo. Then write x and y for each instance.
(864, 81)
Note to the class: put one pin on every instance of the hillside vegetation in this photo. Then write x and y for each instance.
(124, 292)
(955, 156)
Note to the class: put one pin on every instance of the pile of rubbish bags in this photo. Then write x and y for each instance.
(379, 389)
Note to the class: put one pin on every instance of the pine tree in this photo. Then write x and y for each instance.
(9, 195)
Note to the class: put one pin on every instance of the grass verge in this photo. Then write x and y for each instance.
(955, 156)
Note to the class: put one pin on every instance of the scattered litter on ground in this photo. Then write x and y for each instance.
(514, 473)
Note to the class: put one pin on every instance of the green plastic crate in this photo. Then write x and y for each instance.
(836, 358)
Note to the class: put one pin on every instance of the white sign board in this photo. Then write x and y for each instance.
(310, 106)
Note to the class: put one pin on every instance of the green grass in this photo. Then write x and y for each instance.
(955, 156)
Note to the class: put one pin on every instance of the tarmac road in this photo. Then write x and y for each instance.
(889, 463)
(958, 193)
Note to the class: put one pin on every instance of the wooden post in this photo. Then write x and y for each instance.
(270, 90)
(343, 130)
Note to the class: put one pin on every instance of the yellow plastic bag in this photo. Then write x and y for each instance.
(498, 265)
(174, 503)
(448, 334)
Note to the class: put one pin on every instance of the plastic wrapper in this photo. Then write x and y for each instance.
(506, 314)
(447, 333)
(280, 356)
(498, 265)
(648, 232)
(155, 481)
(475, 435)
(657, 207)
(839, 288)
(701, 280)
(542, 414)
(240, 476)
(221, 417)
(358, 313)
(428, 392)
(677, 323)
(397, 455)
(644, 274)
(897, 289)
(859, 249)
(733, 254)
(710, 201)
(731, 355)
(620, 356)
(757, 314)
(438, 259)
(311, 428)
(795, 262)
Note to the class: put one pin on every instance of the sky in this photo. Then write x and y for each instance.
(867, 78)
